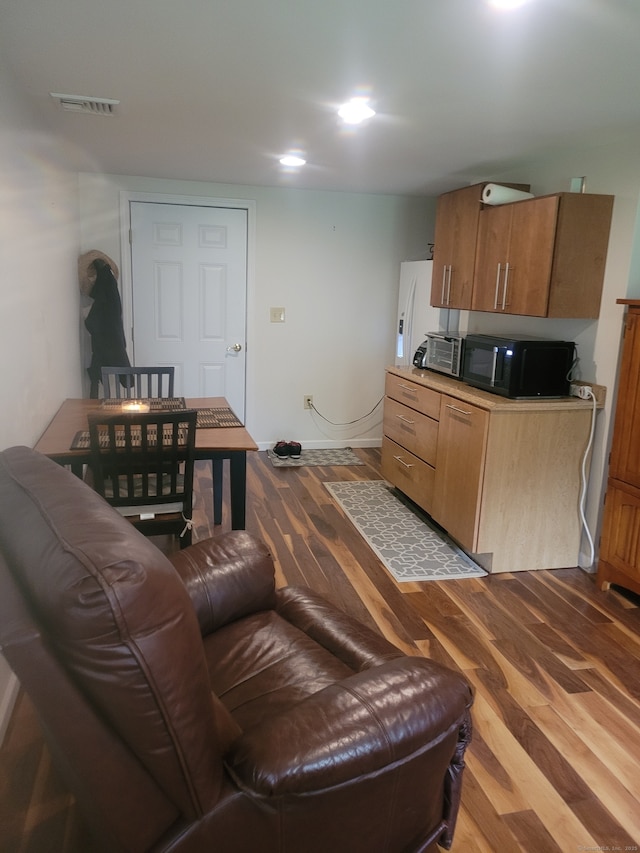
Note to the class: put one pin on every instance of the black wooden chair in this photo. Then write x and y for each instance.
(137, 382)
(142, 464)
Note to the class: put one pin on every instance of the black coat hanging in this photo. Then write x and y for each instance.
(104, 324)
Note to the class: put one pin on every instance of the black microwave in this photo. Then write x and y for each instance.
(518, 366)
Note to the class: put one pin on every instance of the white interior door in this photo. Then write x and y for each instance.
(189, 279)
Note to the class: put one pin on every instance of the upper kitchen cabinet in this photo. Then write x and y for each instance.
(454, 249)
(454, 252)
(543, 257)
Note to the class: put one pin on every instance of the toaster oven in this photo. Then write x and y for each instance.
(441, 352)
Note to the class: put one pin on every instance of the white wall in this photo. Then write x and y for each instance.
(612, 169)
(339, 288)
(333, 261)
(39, 349)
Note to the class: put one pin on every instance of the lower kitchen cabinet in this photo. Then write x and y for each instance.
(619, 561)
(501, 476)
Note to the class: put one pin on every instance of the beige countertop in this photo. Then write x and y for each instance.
(484, 399)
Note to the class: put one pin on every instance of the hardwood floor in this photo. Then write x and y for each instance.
(555, 665)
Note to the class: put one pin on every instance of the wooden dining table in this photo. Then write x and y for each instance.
(212, 443)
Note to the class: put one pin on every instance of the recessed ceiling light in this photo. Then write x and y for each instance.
(292, 161)
(356, 110)
(507, 4)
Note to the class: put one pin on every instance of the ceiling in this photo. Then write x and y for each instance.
(218, 90)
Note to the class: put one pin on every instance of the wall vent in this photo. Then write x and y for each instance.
(82, 104)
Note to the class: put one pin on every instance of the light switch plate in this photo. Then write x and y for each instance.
(277, 315)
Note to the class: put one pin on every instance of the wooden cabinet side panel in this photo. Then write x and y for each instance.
(625, 450)
(530, 502)
(580, 254)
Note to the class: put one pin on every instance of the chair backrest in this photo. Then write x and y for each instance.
(144, 459)
(137, 382)
(142, 464)
(108, 642)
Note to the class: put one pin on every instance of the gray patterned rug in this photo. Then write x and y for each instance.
(333, 456)
(408, 545)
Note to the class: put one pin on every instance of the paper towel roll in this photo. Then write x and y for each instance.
(497, 194)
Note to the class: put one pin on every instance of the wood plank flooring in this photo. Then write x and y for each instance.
(554, 663)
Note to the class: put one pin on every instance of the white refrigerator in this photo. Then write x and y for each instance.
(416, 317)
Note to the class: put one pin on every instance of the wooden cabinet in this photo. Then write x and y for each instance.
(619, 558)
(454, 250)
(501, 476)
(515, 249)
(543, 257)
(409, 449)
(459, 469)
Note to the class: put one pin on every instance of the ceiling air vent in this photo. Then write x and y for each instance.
(82, 104)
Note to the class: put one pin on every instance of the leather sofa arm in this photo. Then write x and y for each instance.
(357, 645)
(227, 577)
(383, 716)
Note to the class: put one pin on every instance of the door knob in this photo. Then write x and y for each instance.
(234, 348)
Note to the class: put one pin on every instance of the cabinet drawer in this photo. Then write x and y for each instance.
(411, 394)
(412, 430)
(408, 473)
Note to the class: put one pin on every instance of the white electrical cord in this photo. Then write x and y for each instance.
(583, 496)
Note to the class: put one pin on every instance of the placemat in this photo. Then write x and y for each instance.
(211, 418)
(156, 404)
(81, 439)
(218, 417)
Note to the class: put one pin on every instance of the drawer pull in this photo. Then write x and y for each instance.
(406, 420)
(506, 285)
(456, 409)
(495, 298)
(402, 462)
(408, 388)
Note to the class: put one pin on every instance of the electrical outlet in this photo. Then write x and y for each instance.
(581, 389)
(308, 401)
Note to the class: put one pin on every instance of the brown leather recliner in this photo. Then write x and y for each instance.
(193, 707)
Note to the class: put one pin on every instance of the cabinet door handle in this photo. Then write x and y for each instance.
(449, 286)
(402, 462)
(495, 298)
(456, 409)
(406, 420)
(506, 284)
(444, 284)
